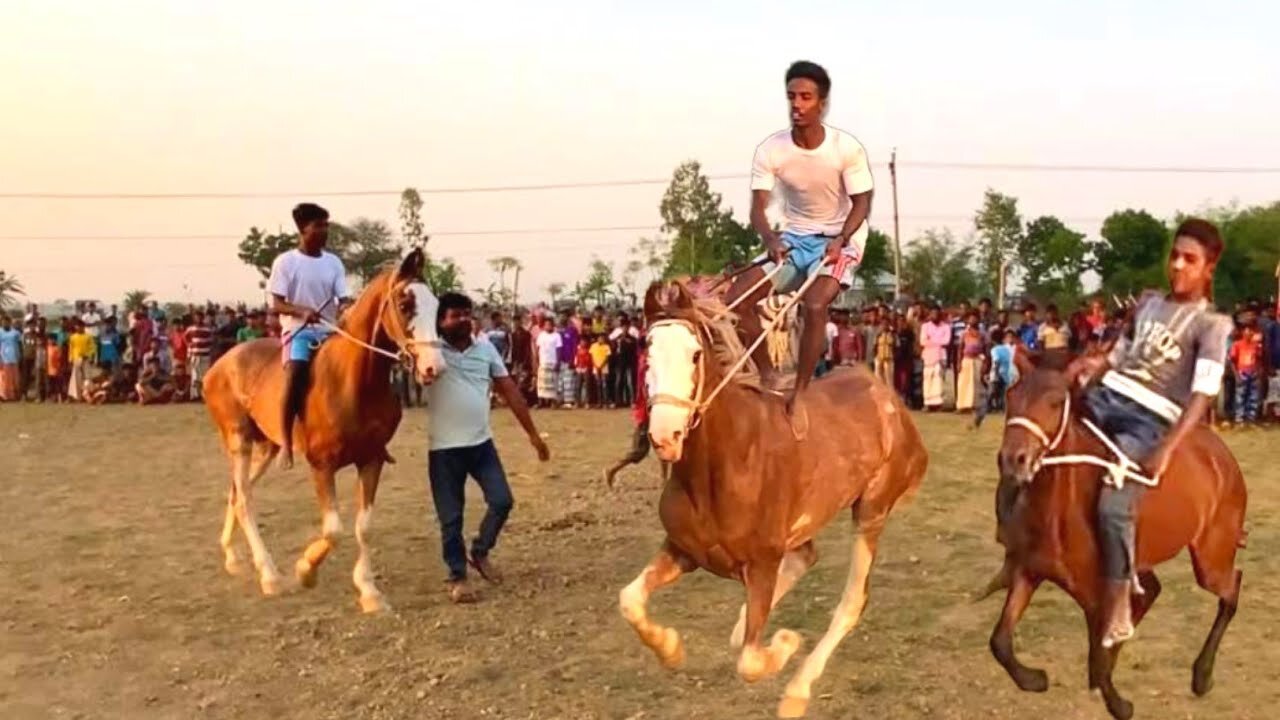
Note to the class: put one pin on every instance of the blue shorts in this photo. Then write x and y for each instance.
(301, 344)
(805, 258)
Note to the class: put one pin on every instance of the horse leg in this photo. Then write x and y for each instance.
(1021, 588)
(371, 599)
(330, 528)
(755, 662)
(795, 701)
(244, 472)
(1099, 666)
(1214, 564)
(263, 452)
(794, 565)
(665, 568)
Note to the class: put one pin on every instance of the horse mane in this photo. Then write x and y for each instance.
(720, 325)
(367, 303)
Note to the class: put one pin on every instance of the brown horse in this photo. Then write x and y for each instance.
(1051, 534)
(745, 499)
(349, 416)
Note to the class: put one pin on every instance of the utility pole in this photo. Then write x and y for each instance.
(897, 246)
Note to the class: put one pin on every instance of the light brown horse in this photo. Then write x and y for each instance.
(1051, 533)
(745, 499)
(349, 416)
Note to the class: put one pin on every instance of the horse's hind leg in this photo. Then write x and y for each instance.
(245, 471)
(1213, 558)
(371, 599)
(794, 565)
(1021, 588)
(262, 454)
(665, 568)
(795, 702)
(330, 527)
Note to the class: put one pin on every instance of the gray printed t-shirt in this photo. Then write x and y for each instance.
(1175, 349)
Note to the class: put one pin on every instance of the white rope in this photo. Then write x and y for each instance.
(767, 277)
(373, 348)
(1117, 471)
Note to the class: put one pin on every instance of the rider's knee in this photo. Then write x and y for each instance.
(1115, 512)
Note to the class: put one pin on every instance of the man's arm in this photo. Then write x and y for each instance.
(1191, 417)
(760, 223)
(284, 307)
(857, 215)
(506, 387)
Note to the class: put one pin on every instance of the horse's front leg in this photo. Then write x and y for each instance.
(665, 568)
(756, 662)
(1021, 588)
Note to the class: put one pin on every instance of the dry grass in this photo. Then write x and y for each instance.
(115, 604)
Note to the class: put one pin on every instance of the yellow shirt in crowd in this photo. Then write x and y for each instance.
(600, 353)
(1053, 338)
(81, 346)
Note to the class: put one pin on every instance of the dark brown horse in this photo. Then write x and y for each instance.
(349, 416)
(1051, 535)
(745, 498)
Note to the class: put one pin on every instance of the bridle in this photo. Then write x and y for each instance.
(696, 404)
(407, 347)
(1117, 470)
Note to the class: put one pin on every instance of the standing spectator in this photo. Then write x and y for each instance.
(985, 318)
(141, 329)
(252, 329)
(199, 339)
(1246, 366)
(972, 353)
(568, 380)
(549, 342)
(224, 335)
(33, 346)
(600, 352)
(180, 352)
(935, 338)
(582, 368)
(92, 320)
(272, 327)
(1001, 376)
(10, 358)
(522, 359)
(1271, 360)
(1029, 333)
(27, 368)
(871, 323)
(32, 314)
(848, 343)
(155, 313)
(1097, 318)
(55, 353)
(599, 323)
(886, 346)
(626, 351)
(109, 351)
(499, 336)
(1052, 335)
(461, 443)
(82, 351)
(907, 352)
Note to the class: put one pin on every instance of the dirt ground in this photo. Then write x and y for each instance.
(114, 604)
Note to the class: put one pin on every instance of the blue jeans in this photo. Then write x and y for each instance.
(1247, 397)
(448, 470)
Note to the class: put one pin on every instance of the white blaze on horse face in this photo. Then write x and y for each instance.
(428, 361)
(673, 367)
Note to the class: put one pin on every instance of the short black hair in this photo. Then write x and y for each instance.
(453, 301)
(306, 213)
(811, 71)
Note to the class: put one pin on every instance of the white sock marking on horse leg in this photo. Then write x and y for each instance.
(268, 576)
(843, 621)
(632, 599)
(793, 568)
(362, 574)
(332, 524)
(231, 559)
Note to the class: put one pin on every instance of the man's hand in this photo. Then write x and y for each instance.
(539, 445)
(773, 245)
(834, 246)
(1086, 368)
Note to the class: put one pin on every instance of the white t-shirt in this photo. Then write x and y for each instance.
(92, 323)
(549, 348)
(617, 333)
(815, 184)
(314, 282)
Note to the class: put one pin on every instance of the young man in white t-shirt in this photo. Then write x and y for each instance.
(825, 181)
(306, 285)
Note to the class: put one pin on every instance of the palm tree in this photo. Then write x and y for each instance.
(10, 289)
(555, 290)
(136, 300)
(501, 265)
(652, 253)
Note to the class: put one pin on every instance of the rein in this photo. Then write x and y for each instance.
(405, 355)
(699, 404)
(1117, 471)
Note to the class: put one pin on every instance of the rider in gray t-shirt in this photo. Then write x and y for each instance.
(1157, 384)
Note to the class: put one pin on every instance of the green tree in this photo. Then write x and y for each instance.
(136, 300)
(938, 267)
(654, 254)
(555, 290)
(705, 239)
(1053, 259)
(260, 249)
(999, 228)
(627, 283)
(876, 257)
(366, 247)
(1130, 256)
(411, 228)
(10, 289)
(501, 265)
(599, 283)
(443, 276)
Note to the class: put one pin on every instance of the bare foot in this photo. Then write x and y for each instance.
(460, 592)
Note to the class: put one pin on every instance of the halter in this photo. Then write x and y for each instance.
(1117, 471)
(406, 352)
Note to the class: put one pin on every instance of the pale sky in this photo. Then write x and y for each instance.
(301, 97)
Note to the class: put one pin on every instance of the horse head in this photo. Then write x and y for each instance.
(677, 375)
(406, 311)
(1037, 414)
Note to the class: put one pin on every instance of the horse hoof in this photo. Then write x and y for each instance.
(270, 586)
(373, 604)
(1201, 684)
(233, 566)
(305, 573)
(1120, 709)
(672, 651)
(784, 644)
(1036, 681)
(793, 707)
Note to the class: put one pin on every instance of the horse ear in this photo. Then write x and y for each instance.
(663, 297)
(653, 301)
(412, 265)
(1025, 361)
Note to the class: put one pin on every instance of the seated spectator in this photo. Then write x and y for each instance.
(154, 386)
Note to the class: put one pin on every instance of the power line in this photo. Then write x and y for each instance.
(587, 184)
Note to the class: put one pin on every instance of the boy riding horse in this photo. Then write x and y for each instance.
(306, 285)
(826, 186)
